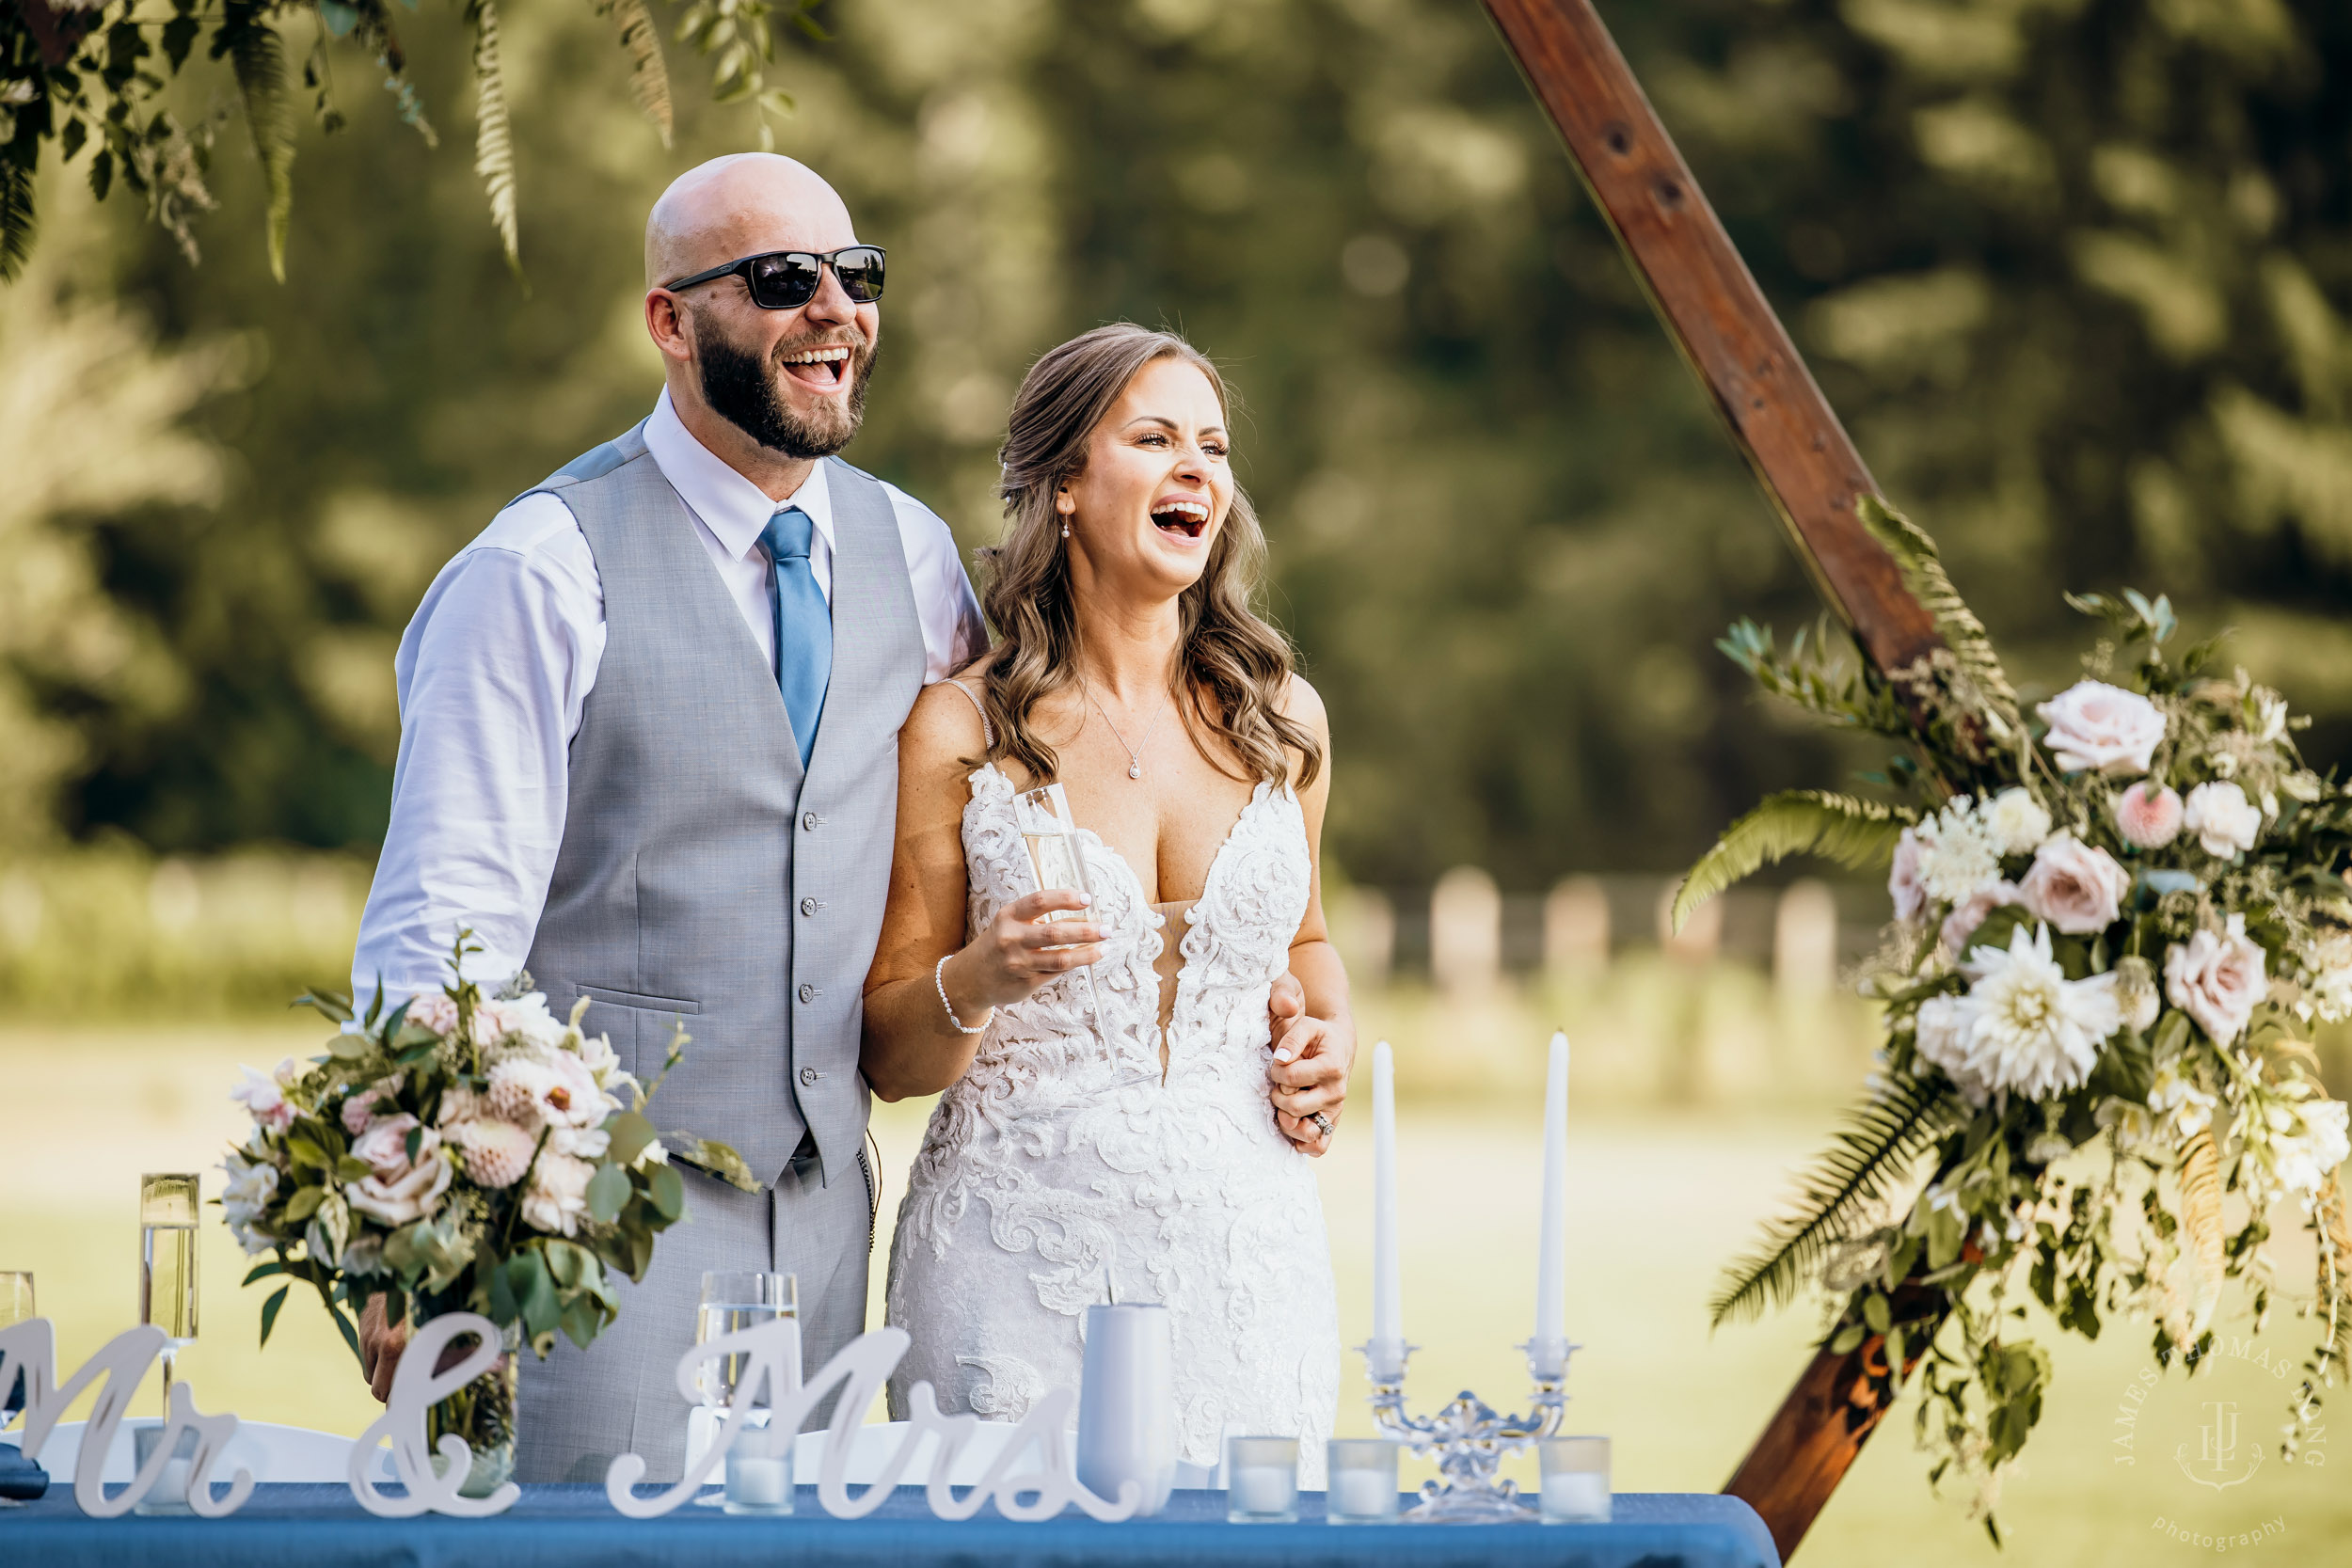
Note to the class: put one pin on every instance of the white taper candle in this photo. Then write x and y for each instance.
(1551, 1316)
(1387, 1286)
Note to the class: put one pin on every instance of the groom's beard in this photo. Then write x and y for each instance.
(743, 389)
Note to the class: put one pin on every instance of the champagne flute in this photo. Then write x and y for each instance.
(1054, 856)
(167, 1212)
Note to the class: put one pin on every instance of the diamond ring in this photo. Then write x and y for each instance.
(1323, 1123)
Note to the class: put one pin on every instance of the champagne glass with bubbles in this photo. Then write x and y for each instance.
(1052, 837)
(168, 1211)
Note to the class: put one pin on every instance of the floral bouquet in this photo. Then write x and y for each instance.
(2116, 925)
(461, 1153)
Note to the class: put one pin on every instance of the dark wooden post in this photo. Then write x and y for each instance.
(1735, 344)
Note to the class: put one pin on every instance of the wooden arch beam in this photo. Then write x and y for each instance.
(1708, 301)
(1776, 416)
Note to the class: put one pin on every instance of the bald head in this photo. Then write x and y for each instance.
(741, 205)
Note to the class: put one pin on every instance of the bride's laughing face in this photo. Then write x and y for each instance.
(1145, 510)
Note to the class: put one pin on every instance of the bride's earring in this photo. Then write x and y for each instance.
(1065, 530)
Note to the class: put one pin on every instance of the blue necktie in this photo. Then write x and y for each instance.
(803, 626)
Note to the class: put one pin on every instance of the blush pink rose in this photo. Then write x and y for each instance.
(2095, 727)
(2217, 979)
(2075, 887)
(2147, 816)
(400, 1189)
(434, 1010)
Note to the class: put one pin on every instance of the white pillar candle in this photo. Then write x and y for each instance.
(1388, 1287)
(1551, 1318)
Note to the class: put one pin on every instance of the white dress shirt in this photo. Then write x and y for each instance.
(494, 671)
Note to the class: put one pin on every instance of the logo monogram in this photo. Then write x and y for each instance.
(2218, 1449)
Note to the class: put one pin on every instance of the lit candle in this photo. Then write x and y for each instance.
(1551, 1318)
(1388, 1287)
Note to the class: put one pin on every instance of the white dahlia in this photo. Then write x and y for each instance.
(2031, 1030)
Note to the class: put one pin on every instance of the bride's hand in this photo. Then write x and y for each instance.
(1309, 1074)
(1019, 951)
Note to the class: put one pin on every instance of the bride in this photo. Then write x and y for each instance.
(1144, 1132)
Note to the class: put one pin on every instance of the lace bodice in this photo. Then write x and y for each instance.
(1063, 1165)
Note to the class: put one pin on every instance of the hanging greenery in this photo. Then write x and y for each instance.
(92, 75)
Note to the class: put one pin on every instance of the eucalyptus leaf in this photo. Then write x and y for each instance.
(668, 1192)
(607, 1191)
(630, 1133)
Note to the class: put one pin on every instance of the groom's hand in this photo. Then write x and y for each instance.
(379, 1348)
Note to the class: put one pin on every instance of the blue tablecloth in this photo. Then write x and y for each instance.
(573, 1526)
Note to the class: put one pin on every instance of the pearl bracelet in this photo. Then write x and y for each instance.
(939, 983)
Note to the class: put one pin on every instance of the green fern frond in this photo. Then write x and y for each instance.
(259, 63)
(19, 220)
(648, 78)
(1856, 833)
(1923, 572)
(494, 138)
(1874, 1153)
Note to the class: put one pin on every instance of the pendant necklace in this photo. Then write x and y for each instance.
(1134, 755)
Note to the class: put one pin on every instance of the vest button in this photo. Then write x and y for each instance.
(809, 820)
(810, 1075)
(808, 993)
(808, 906)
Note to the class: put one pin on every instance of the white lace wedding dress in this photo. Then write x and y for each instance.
(1062, 1165)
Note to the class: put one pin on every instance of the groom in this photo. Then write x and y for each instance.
(648, 752)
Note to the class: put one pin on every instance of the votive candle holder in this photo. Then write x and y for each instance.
(1262, 1480)
(759, 1483)
(1575, 1472)
(1360, 1488)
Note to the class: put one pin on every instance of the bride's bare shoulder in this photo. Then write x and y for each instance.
(943, 728)
(1302, 704)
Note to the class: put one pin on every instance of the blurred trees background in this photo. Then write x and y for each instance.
(2076, 273)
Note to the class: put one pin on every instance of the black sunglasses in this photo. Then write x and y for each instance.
(788, 279)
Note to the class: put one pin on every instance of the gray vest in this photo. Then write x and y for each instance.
(701, 877)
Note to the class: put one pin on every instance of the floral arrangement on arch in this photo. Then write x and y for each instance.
(460, 1153)
(2117, 922)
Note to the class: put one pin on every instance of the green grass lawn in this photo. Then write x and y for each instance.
(1659, 1199)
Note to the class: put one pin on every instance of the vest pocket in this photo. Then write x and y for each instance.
(643, 1001)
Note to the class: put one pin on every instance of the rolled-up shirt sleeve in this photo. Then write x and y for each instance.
(953, 632)
(493, 673)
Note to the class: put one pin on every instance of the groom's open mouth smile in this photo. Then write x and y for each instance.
(1180, 515)
(826, 368)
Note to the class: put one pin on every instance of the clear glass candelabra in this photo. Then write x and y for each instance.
(1467, 1438)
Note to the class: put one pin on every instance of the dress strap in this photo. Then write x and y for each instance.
(988, 731)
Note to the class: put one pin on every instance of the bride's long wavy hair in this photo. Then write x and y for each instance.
(1232, 668)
